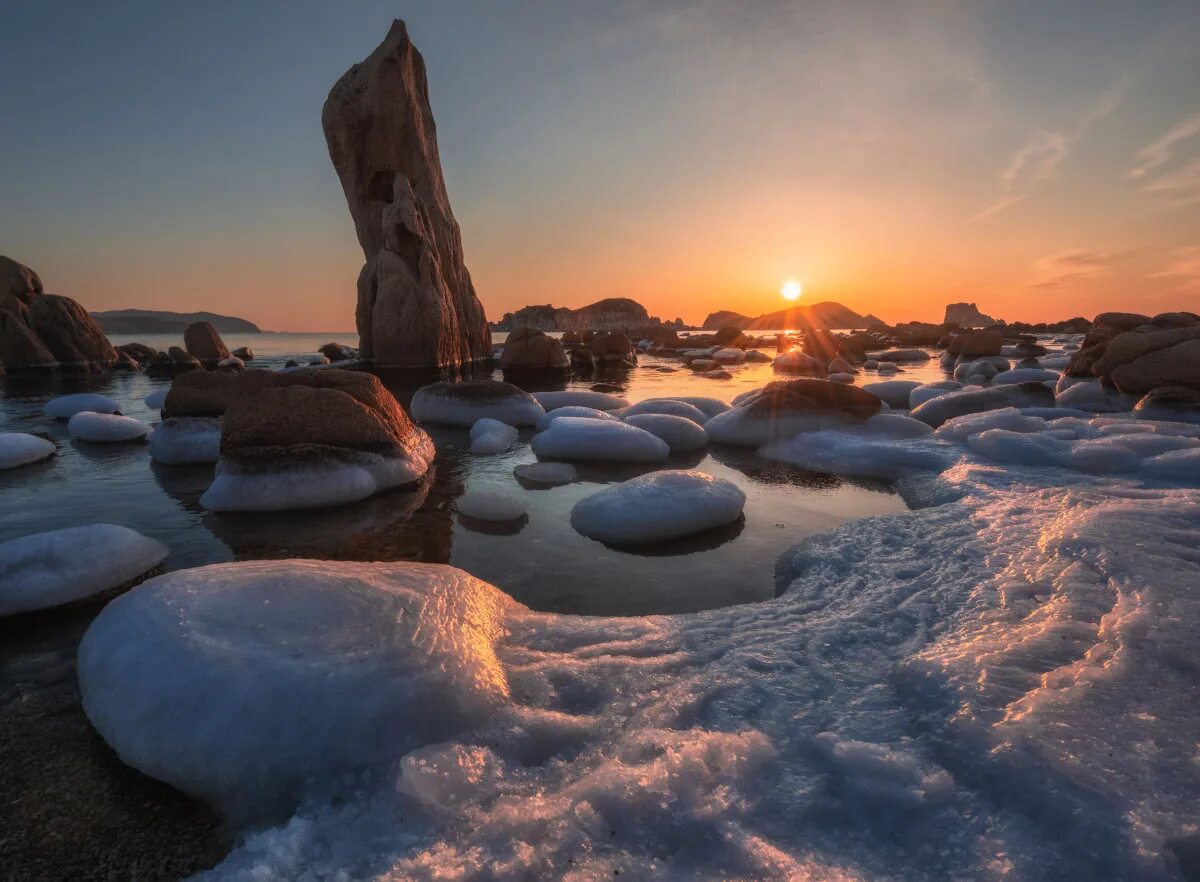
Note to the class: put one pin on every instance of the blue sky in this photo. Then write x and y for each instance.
(1040, 158)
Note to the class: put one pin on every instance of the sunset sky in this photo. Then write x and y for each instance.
(1041, 159)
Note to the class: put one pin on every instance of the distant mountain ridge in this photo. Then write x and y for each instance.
(827, 314)
(610, 314)
(155, 321)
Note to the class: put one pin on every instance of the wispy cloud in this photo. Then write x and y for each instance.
(1182, 186)
(1160, 151)
(1040, 157)
(1182, 268)
(1074, 265)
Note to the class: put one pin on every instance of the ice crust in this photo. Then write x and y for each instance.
(490, 436)
(658, 507)
(50, 569)
(680, 433)
(573, 410)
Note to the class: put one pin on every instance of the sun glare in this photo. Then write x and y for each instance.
(791, 290)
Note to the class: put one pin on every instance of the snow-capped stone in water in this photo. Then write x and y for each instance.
(895, 425)
(797, 362)
(186, 441)
(709, 406)
(854, 452)
(574, 410)
(1025, 375)
(491, 505)
(893, 355)
(252, 684)
(1009, 419)
(672, 406)
(66, 406)
(841, 378)
(729, 356)
(462, 404)
(311, 439)
(106, 428)
(786, 407)
(546, 472)
(680, 433)
(975, 370)
(601, 440)
(551, 401)
(928, 391)
(156, 399)
(18, 449)
(1091, 396)
(658, 507)
(894, 392)
(50, 569)
(490, 436)
(887, 368)
(953, 404)
(1171, 403)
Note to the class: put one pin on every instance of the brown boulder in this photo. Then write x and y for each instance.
(137, 351)
(1122, 321)
(1172, 403)
(416, 303)
(337, 352)
(813, 396)
(976, 344)
(530, 349)
(19, 345)
(611, 347)
(1175, 320)
(1130, 345)
(204, 343)
(1177, 365)
(245, 353)
(66, 329)
(18, 281)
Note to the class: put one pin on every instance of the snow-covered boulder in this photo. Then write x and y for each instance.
(895, 425)
(546, 472)
(490, 436)
(953, 404)
(672, 406)
(797, 362)
(491, 505)
(894, 355)
(551, 401)
(106, 428)
(710, 407)
(658, 507)
(928, 391)
(894, 392)
(574, 410)
(1090, 395)
(50, 569)
(156, 399)
(1025, 375)
(603, 440)
(66, 406)
(680, 433)
(253, 684)
(786, 407)
(186, 441)
(18, 449)
(462, 404)
(731, 355)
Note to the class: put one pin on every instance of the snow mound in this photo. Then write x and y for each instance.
(604, 440)
(156, 399)
(18, 449)
(658, 507)
(289, 484)
(104, 428)
(710, 407)
(671, 406)
(857, 454)
(574, 410)
(895, 392)
(680, 433)
(50, 569)
(1025, 375)
(491, 505)
(579, 398)
(186, 440)
(546, 472)
(490, 436)
(463, 404)
(66, 406)
(929, 391)
(254, 684)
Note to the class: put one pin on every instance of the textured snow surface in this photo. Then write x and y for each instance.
(104, 428)
(680, 433)
(62, 566)
(657, 507)
(603, 440)
(296, 484)
(186, 440)
(18, 449)
(66, 406)
(580, 398)
(998, 684)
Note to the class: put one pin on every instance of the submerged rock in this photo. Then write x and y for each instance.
(1171, 403)
(416, 303)
(491, 505)
(658, 507)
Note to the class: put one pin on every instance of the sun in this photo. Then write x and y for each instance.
(791, 290)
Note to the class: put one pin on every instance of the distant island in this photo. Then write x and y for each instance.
(968, 316)
(610, 314)
(155, 321)
(827, 314)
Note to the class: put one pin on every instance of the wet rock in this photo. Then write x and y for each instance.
(1170, 403)
(975, 344)
(531, 349)
(204, 343)
(245, 353)
(338, 352)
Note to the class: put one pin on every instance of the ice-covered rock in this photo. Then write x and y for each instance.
(253, 684)
(729, 356)
(19, 448)
(928, 391)
(546, 472)
(66, 406)
(602, 440)
(856, 453)
(490, 436)
(886, 368)
(491, 505)
(574, 410)
(710, 407)
(786, 407)
(50, 569)
(106, 428)
(658, 507)
(672, 406)
(1092, 396)
(156, 399)
(895, 425)
(902, 355)
(462, 404)
(894, 392)
(680, 433)
(945, 407)
(551, 401)
(1171, 403)
(186, 441)
(1025, 375)
(798, 362)
(1008, 418)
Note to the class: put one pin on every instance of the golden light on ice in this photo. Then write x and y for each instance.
(791, 290)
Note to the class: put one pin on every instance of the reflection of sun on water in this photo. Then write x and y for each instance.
(791, 290)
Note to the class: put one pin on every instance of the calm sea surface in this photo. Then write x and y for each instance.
(543, 563)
